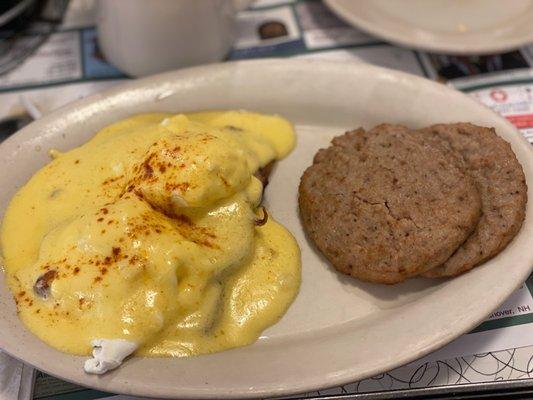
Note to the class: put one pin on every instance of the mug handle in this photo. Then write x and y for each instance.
(240, 5)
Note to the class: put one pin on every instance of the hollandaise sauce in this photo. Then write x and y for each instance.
(152, 232)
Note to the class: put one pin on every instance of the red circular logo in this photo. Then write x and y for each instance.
(498, 95)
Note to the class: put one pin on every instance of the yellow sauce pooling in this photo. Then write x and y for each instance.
(147, 233)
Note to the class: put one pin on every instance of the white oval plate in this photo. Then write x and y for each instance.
(338, 330)
(443, 26)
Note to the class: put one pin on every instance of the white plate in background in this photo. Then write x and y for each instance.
(443, 26)
(339, 329)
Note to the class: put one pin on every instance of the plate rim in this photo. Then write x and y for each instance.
(452, 48)
(309, 65)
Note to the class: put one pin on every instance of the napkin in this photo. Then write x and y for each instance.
(16, 379)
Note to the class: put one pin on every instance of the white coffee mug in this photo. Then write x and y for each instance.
(142, 37)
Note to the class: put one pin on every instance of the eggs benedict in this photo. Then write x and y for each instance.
(150, 238)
